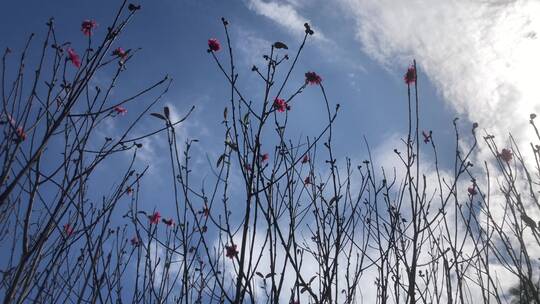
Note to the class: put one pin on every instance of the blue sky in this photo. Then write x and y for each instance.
(358, 49)
(477, 60)
(173, 36)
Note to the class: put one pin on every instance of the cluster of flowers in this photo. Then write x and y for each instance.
(506, 154)
(156, 216)
(87, 28)
(280, 104)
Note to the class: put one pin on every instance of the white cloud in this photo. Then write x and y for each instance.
(286, 16)
(481, 55)
(152, 151)
(385, 158)
(297, 3)
(251, 46)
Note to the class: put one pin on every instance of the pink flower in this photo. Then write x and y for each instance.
(20, 133)
(87, 26)
(120, 110)
(280, 105)
(230, 251)
(247, 167)
(74, 58)
(169, 222)
(305, 159)
(506, 155)
(313, 78)
(472, 191)
(307, 181)
(154, 218)
(68, 230)
(265, 157)
(119, 52)
(214, 45)
(410, 76)
(135, 241)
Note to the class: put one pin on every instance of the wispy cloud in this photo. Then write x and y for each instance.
(482, 55)
(251, 46)
(153, 147)
(286, 15)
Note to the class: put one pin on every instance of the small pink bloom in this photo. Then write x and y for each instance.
(247, 167)
(74, 58)
(307, 181)
(119, 52)
(68, 230)
(506, 155)
(313, 78)
(472, 191)
(410, 76)
(87, 26)
(230, 251)
(265, 157)
(214, 45)
(305, 159)
(154, 218)
(280, 105)
(20, 133)
(169, 222)
(135, 241)
(120, 110)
